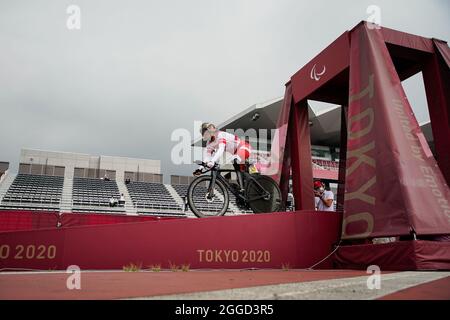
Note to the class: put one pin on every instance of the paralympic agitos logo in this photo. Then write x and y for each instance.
(317, 75)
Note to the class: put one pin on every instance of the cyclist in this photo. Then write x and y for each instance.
(218, 142)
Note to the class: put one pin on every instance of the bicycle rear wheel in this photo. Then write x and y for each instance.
(200, 201)
(272, 203)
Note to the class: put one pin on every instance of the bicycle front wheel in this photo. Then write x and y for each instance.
(259, 186)
(204, 203)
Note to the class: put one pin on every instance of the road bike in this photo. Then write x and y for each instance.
(209, 194)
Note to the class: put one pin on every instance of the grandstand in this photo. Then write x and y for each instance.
(153, 198)
(91, 192)
(34, 191)
(74, 183)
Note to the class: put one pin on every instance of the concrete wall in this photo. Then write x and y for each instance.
(40, 159)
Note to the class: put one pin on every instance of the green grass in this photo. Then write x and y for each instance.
(132, 267)
(173, 267)
(155, 267)
(285, 266)
(185, 267)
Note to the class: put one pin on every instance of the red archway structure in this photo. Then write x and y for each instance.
(390, 184)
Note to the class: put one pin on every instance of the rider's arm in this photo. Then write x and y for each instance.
(218, 153)
(208, 154)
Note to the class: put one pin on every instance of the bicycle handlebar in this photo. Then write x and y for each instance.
(204, 164)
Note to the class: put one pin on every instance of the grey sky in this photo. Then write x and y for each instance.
(139, 69)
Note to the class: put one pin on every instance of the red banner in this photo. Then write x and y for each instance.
(324, 67)
(393, 184)
(399, 255)
(444, 51)
(279, 153)
(407, 40)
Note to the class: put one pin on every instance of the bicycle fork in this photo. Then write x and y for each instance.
(212, 184)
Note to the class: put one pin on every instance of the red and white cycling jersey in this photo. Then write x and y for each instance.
(224, 141)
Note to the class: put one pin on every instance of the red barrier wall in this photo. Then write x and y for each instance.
(298, 239)
(15, 220)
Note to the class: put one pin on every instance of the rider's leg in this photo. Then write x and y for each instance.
(242, 154)
(237, 168)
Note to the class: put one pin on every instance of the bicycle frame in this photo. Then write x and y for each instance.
(216, 175)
